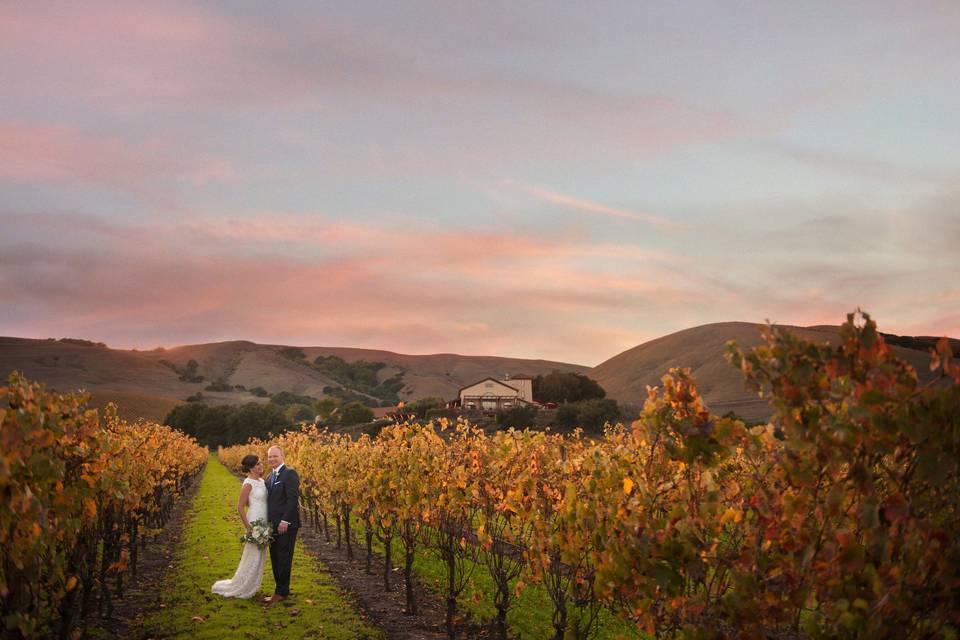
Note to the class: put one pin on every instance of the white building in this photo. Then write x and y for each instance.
(491, 394)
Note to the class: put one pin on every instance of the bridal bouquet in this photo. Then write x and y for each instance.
(261, 533)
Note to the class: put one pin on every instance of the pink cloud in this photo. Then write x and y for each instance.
(596, 208)
(53, 153)
(139, 58)
(48, 152)
(421, 290)
(417, 288)
(118, 55)
(69, 25)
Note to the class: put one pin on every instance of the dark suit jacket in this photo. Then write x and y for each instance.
(283, 498)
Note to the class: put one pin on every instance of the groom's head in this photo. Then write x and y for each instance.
(275, 456)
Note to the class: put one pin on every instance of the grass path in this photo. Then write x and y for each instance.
(210, 551)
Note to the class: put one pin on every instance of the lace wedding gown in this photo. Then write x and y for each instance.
(246, 581)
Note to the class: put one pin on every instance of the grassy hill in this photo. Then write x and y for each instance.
(134, 404)
(149, 383)
(626, 376)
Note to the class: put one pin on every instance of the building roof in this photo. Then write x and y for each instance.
(500, 382)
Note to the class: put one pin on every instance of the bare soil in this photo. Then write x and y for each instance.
(386, 609)
(142, 594)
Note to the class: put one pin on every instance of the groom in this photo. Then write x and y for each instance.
(283, 494)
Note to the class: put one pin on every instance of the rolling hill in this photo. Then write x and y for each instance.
(149, 383)
(625, 376)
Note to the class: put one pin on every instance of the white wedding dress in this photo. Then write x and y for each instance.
(246, 581)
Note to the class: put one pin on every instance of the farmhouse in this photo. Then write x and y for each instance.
(491, 394)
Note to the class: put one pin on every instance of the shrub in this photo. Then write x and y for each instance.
(568, 416)
(423, 405)
(589, 415)
(517, 417)
(82, 343)
(284, 398)
(354, 413)
(596, 413)
(436, 414)
(293, 353)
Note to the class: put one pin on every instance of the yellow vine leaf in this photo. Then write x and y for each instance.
(731, 514)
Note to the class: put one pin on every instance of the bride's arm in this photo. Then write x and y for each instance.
(242, 505)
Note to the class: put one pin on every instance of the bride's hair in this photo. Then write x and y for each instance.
(249, 462)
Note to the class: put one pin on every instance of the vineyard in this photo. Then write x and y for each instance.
(82, 494)
(837, 519)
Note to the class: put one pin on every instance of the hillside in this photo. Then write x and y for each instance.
(627, 375)
(149, 382)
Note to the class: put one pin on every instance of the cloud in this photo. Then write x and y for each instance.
(99, 54)
(595, 208)
(52, 154)
(424, 287)
(314, 279)
(180, 63)
(874, 169)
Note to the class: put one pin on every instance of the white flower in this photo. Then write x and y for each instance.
(261, 533)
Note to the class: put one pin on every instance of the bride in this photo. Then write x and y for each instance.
(252, 506)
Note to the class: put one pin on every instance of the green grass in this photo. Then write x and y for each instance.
(210, 550)
(531, 613)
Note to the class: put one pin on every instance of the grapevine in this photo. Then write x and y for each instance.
(836, 519)
(82, 492)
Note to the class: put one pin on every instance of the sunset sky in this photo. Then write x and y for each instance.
(559, 180)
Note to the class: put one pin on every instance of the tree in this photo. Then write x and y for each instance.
(184, 417)
(423, 405)
(594, 414)
(284, 398)
(259, 420)
(566, 387)
(325, 406)
(589, 415)
(189, 373)
(299, 412)
(355, 413)
(227, 424)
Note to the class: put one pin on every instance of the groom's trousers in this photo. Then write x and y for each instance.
(281, 559)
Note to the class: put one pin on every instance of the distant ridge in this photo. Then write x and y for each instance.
(150, 383)
(627, 375)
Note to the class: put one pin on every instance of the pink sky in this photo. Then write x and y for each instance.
(559, 184)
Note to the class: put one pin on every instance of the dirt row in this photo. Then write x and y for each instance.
(387, 609)
(142, 594)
